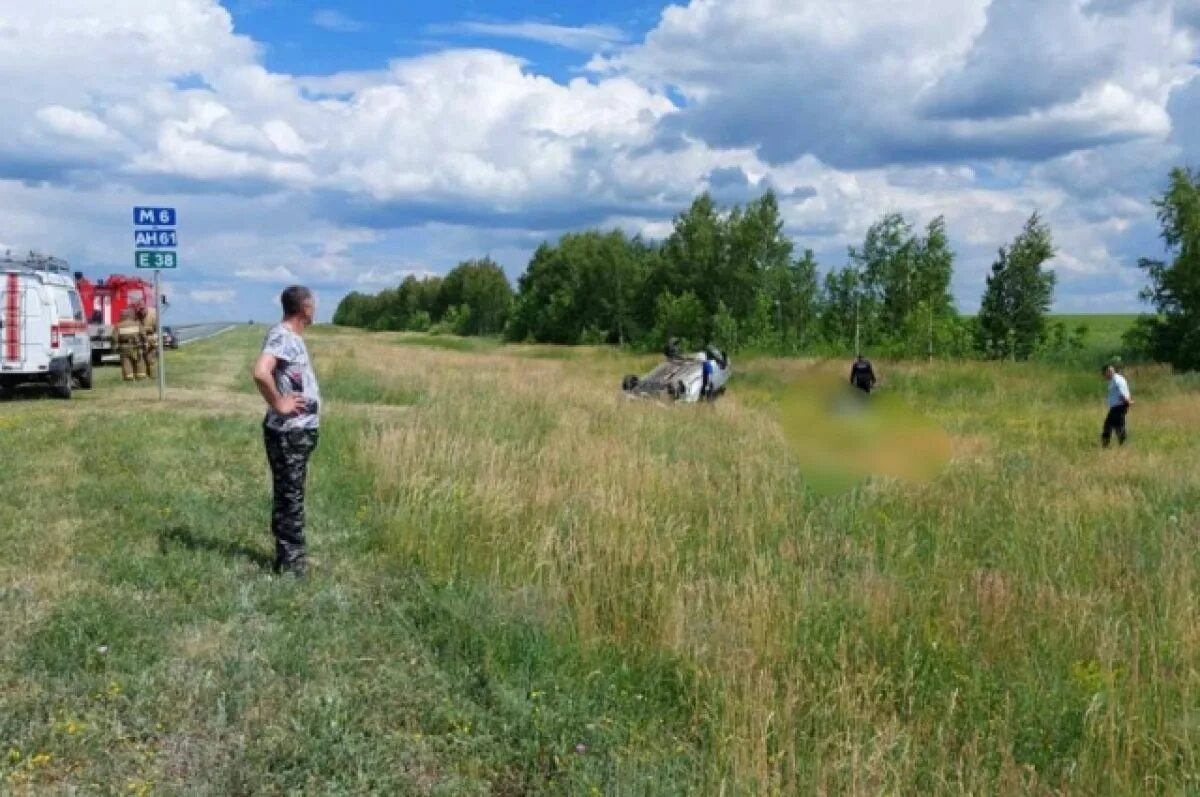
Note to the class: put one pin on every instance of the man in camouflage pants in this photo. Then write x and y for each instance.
(284, 376)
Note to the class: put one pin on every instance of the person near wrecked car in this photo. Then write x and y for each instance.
(862, 375)
(285, 377)
(1119, 402)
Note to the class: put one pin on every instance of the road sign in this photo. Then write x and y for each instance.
(155, 239)
(155, 259)
(154, 217)
(155, 248)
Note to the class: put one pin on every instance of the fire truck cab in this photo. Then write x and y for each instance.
(43, 330)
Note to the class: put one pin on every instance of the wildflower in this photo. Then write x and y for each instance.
(41, 759)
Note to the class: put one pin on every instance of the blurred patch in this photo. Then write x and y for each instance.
(841, 436)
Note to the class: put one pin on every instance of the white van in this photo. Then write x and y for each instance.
(43, 331)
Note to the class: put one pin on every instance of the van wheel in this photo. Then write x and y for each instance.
(85, 377)
(63, 389)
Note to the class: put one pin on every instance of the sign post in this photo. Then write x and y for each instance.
(154, 241)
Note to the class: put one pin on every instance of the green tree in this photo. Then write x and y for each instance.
(587, 281)
(1173, 335)
(801, 303)
(1019, 293)
(886, 265)
(482, 295)
(758, 262)
(841, 306)
(693, 258)
(547, 296)
(681, 317)
(932, 323)
(353, 310)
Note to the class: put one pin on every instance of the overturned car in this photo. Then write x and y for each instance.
(687, 378)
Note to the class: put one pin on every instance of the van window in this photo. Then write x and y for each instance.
(76, 305)
(63, 304)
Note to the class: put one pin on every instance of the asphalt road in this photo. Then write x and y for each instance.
(194, 332)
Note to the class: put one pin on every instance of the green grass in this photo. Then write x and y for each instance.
(1104, 330)
(525, 585)
(146, 648)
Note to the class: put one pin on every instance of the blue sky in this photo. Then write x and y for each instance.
(323, 37)
(346, 145)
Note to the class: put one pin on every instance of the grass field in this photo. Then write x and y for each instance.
(1104, 331)
(525, 585)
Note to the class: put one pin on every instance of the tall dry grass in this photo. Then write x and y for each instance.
(1027, 621)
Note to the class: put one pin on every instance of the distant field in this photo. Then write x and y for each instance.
(1104, 331)
(525, 584)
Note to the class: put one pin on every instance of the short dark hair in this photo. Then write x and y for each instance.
(293, 299)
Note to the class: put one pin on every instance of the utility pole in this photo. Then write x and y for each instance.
(857, 347)
(779, 320)
(930, 329)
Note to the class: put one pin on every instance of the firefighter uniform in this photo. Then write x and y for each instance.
(129, 344)
(149, 338)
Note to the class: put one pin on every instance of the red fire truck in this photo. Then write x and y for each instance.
(103, 303)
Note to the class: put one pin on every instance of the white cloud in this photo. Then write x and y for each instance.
(848, 109)
(586, 38)
(212, 296)
(267, 274)
(336, 21)
(868, 83)
(382, 277)
(73, 124)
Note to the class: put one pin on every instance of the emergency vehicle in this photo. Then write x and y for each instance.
(43, 330)
(103, 303)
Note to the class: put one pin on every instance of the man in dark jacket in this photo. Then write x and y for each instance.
(862, 376)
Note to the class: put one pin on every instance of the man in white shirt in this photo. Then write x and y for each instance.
(1119, 402)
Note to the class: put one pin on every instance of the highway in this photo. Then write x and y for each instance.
(194, 332)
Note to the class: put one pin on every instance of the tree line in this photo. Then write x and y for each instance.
(730, 276)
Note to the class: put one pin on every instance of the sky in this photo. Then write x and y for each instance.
(347, 145)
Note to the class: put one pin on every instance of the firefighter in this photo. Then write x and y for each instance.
(148, 323)
(129, 345)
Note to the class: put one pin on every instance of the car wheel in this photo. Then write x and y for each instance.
(85, 377)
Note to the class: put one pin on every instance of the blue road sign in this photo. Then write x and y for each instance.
(154, 217)
(155, 239)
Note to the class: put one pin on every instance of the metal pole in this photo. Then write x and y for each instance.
(162, 376)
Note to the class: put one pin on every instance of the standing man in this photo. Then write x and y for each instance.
(148, 320)
(284, 376)
(862, 376)
(129, 345)
(1119, 402)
